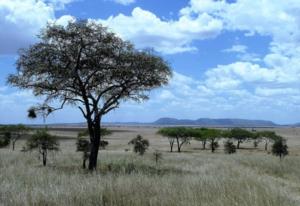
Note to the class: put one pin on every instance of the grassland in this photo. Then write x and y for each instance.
(194, 177)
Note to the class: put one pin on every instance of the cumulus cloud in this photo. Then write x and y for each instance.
(147, 30)
(21, 20)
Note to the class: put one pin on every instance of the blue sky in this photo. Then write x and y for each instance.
(231, 59)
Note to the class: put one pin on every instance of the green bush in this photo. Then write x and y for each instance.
(229, 147)
(280, 148)
(140, 145)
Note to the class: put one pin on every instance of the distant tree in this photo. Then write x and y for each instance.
(213, 136)
(157, 156)
(43, 142)
(199, 135)
(17, 131)
(5, 137)
(240, 135)
(140, 145)
(83, 144)
(181, 135)
(170, 134)
(83, 64)
(256, 139)
(229, 147)
(267, 137)
(280, 148)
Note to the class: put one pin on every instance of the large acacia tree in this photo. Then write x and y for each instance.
(85, 65)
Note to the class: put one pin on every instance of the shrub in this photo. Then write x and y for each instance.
(43, 142)
(280, 148)
(140, 145)
(157, 156)
(5, 138)
(229, 147)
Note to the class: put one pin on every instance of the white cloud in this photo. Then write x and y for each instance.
(124, 2)
(21, 21)
(146, 30)
(237, 48)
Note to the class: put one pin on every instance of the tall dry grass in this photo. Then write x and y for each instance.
(123, 178)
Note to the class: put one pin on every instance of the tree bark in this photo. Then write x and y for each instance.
(178, 145)
(212, 146)
(13, 145)
(266, 146)
(95, 143)
(204, 144)
(44, 158)
(238, 144)
(84, 163)
(171, 141)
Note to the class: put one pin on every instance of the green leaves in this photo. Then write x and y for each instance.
(42, 140)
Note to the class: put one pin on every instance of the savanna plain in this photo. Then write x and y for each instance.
(250, 177)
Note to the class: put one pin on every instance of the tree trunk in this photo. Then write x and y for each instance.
(95, 143)
(13, 145)
(171, 146)
(84, 163)
(238, 144)
(266, 146)
(178, 145)
(204, 144)
(212, 146)
(44, 158)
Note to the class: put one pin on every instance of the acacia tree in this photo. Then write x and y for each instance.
(84, 65)
(267, 137)
(179, 134)
(198, 134)
(240, 135)
(43, 142)
(17, 131)
(213, 136)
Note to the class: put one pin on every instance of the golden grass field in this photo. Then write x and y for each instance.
(252, 177)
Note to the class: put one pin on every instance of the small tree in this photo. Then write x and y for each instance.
(17, 131)
(240, 135)
(5, 137)
(229, 147)
(170, 134)
(256, 139)
(198, 134)
(212, 136)
(267, 137)
(83, 145)
(181, 135)
(43, 142)
(280, 148)
(140, 145)
(157, 156)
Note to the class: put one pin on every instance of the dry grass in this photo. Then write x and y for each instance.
(192, 178)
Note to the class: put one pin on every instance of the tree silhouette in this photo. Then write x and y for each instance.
(82, 64)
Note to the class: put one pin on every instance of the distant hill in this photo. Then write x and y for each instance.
(205, 122)
(216, 122)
